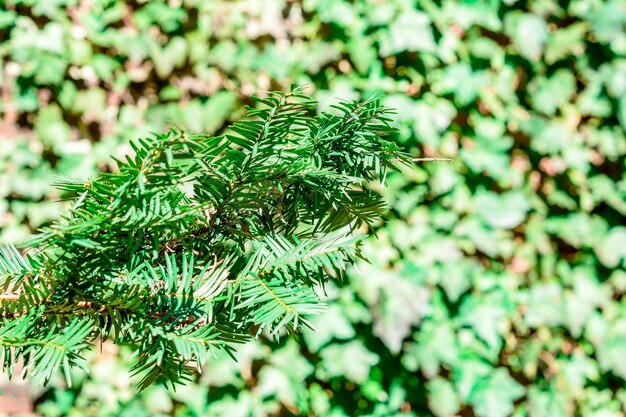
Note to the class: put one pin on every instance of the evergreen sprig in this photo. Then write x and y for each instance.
(200, 241)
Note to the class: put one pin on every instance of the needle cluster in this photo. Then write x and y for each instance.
(199, 242)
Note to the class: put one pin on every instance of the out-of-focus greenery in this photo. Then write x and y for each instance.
(497, 284)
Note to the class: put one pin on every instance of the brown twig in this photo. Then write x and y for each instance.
(431, 159)
(10, 297)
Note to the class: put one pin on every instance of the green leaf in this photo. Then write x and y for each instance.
(529, 33)
(494, 395)
(488, 317)
(435, 345)
(544, 305)
(566, 41)
(549, 94)
(170, 56)
(503, 211)
(285, 377)
(549, 403)
(611, 250)
(349, 360)
(396, 303)
(411, 31)
(362, 54)
(442, 399)
(611, 352)
(330, 325)
(51, 129)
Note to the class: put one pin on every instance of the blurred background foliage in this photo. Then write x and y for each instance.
(496, 285)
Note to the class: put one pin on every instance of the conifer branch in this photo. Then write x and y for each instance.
(198, 239)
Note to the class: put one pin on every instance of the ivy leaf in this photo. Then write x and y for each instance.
(504, 211)
(566, 41)
(455, 279)
(487, 316)
(442, 398)
(544, 305)
(284, 377)
(411, 31)
(332, 324)
(549, 403)
(611, 250)
(397, 304)
(51, 129)
(435, 345)
(549, 94)
(529, 33)
(349, 360)
(611, 352)
(494, 395)
(169, 57)
(362, 54)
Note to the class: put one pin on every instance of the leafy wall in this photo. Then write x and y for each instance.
(497, 283)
